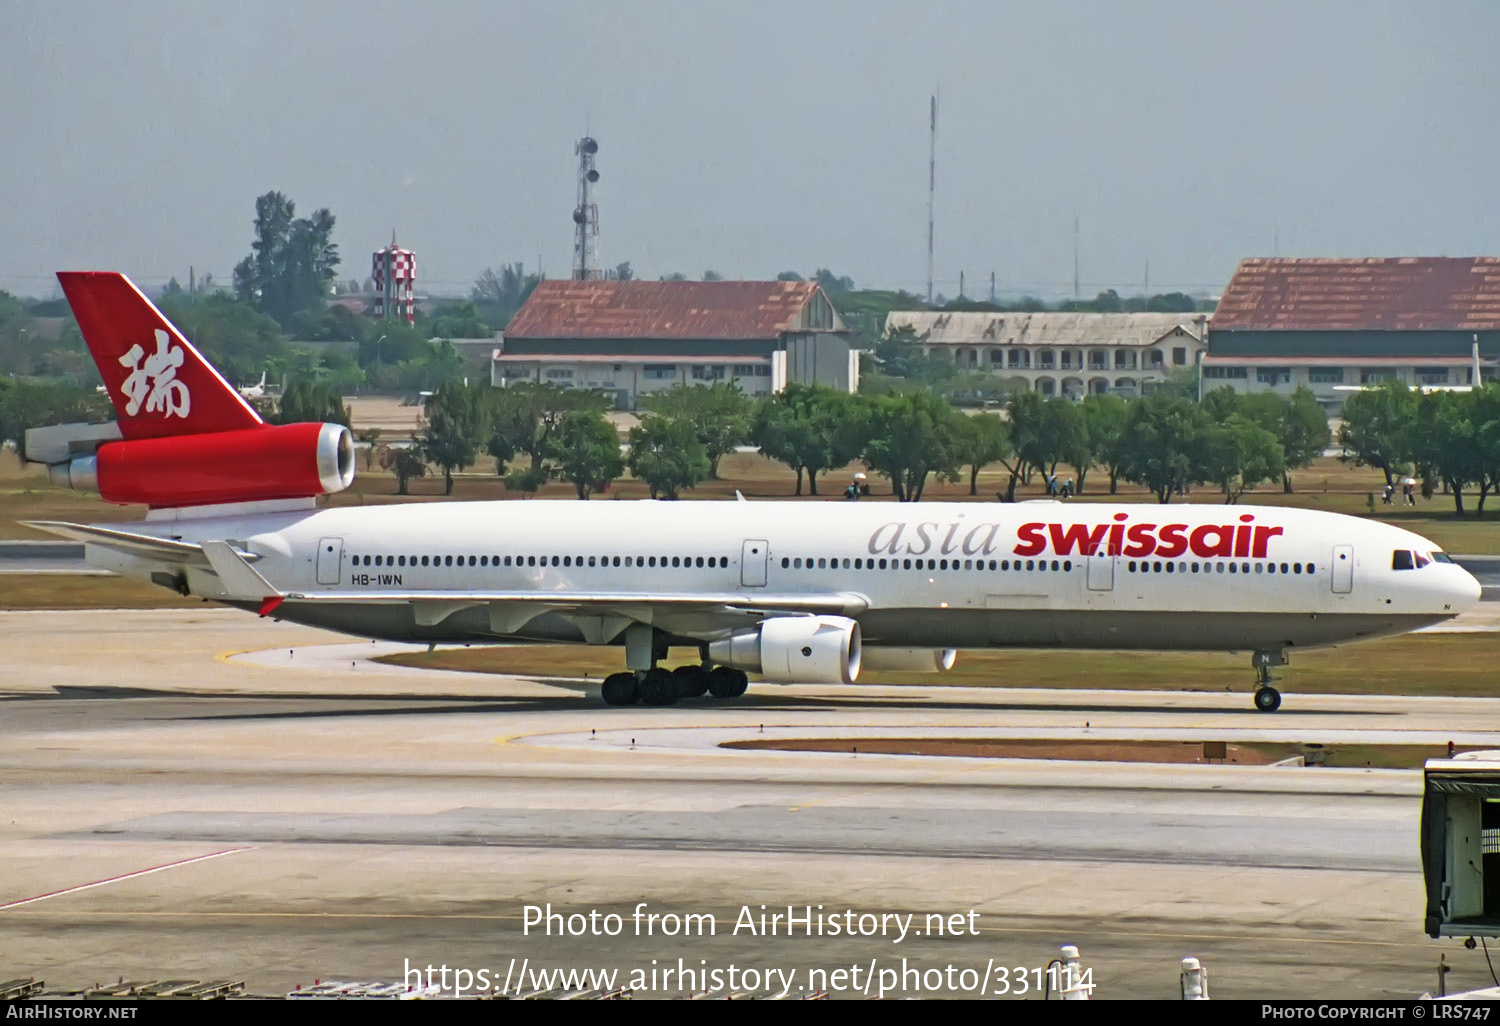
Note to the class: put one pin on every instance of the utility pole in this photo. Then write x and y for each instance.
(992, 287)
(931, 190)
(1075, 256)
(960, 284)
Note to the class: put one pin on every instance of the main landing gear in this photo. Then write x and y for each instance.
(1267, 698)
(660, 686)
(650, 684)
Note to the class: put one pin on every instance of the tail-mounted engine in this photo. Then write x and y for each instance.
(288, 461)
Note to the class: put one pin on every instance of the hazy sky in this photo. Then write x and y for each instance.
(752, 137)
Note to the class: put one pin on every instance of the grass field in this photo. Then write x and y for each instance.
(26, 494)
(71, 591)
(1413, 664)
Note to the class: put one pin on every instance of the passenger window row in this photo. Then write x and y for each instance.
(1147, 566)
(827, 563)
(711, 562)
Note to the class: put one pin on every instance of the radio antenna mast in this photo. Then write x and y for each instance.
(931, 189)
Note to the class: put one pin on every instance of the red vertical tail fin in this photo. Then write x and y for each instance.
(160, 385)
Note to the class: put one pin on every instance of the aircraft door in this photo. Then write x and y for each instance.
(330, 559)
(753, 563)
(1343, 569)
(1101, 572)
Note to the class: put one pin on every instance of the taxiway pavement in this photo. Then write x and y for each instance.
(204, 794)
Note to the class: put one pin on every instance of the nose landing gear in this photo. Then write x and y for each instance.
(1267, 698)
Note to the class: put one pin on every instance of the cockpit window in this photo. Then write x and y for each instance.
(1401, 560)
(1422, 559)
(1441, 557)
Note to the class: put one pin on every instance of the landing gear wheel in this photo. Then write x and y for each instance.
(620, 689)
(658, 688)
(691, 681)
(1267, 699)
(724, 682)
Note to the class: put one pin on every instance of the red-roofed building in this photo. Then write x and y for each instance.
(637, 337)
(1336, 325)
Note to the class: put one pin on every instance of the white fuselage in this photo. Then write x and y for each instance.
(931, 575)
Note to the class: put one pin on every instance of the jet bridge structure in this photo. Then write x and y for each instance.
(1461, 845)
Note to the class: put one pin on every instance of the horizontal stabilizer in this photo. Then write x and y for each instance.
(145, 546)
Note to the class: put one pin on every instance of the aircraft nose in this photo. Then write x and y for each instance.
(1466, 588)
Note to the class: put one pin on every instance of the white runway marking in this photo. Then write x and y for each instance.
(124, 876)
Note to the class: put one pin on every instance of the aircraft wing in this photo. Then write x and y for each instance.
(844, 603)
(599, 615)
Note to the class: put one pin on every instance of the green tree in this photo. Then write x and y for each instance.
(1303, 432)
(311, 402)
(1160, 447)
(460, 321)
(1377, 428)
(898, 353)
(497, 297)
(1046, 430)
(712, 276)
(811, 429)
(31, 404)
(524, 417)
(1237, 455)
(720, 415)
(1445, 444)
(586, 449)
(406, 463)
(1484, 414)
(667, 455)
(985, 440)
(455, 425)
(1104, 418)
(236, 338)
(912, 436)
(831, 282)
(293, 260)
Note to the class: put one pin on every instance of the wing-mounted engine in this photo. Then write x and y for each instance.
(795, 650)
(288, 461)
(910, 660)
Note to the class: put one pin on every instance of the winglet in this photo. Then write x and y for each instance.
(738, 496)
(239, 578)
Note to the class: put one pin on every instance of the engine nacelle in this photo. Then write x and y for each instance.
(287, 461)
(910, 660)
(795, 650)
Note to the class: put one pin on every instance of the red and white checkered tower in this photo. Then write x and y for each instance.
(395, 272)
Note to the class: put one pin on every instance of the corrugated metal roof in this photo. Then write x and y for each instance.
(565, 308)
(1375, 294)
(1055, 329)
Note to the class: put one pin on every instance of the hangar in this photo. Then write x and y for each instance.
(637, 337)
(1333, 325)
